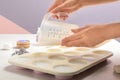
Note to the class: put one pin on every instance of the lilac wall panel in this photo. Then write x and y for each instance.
(29, 13)
(26, 13)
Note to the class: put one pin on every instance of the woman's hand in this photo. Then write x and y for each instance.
(61, 8)
(88, 36)
(64, 7)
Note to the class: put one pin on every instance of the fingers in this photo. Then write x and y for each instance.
(80, 29)
(65, 7)
(55, 16)
(64, 17)
(76, 43)
(61, 15)
(74, 8)
(77, 36)
(55, 4)
(72, 38)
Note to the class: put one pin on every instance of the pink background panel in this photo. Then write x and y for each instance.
(9, 27)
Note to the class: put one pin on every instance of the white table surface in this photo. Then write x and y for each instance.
(102, 71)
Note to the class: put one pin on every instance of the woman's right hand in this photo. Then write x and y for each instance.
(64, 7)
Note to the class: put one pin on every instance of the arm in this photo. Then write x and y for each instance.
(114, 30)
(94, 2)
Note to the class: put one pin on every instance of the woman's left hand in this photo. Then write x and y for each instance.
(88, 36)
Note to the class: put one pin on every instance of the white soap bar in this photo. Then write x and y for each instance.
(117, 68)
(7, 46)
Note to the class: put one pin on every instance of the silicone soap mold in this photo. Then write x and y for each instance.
(63, 62)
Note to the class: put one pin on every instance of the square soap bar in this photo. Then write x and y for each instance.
(117, 68)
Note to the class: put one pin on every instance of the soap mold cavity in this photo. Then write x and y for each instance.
(57, 57)
(64, 68)
(78, 61)
(103, 52)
